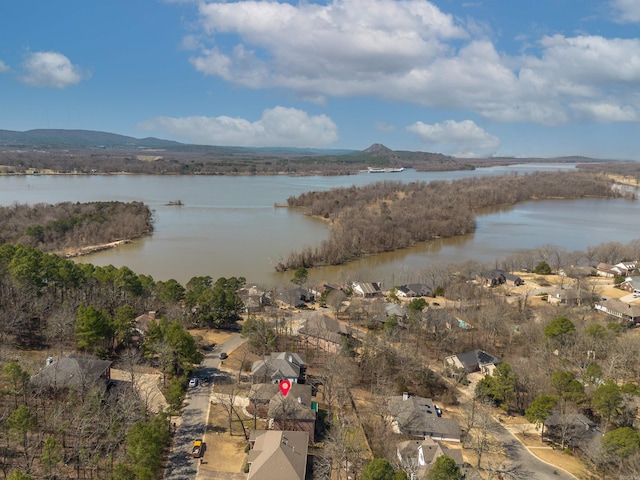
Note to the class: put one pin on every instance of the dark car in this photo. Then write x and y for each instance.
(223, 356)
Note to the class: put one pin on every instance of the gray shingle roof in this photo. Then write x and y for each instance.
(418, 416)
(277, 366)
(74, 370)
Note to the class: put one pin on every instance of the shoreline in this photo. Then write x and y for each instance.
(88, 250)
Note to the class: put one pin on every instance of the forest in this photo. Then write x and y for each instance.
(70, 226)
(387, 216)
(97, 429)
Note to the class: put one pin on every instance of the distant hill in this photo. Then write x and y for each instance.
(87, 151)
(57, 138)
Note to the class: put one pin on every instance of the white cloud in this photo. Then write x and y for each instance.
(3, 67)
(627, 10)
(462, 139)
(368, 38)
(50, 69)
(606, 112)
(410, 51)
(278, 127)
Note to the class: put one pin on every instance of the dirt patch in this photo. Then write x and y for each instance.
(224, 452)
(208, 336)
(147, 387)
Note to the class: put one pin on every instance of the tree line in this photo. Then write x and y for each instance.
(387, 216)
(71, 225)
(202, 160)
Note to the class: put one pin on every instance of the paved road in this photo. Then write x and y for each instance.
(194, 417)
(530, 466)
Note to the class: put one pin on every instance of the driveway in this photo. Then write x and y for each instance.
(181, 466)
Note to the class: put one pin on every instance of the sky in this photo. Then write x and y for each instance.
(466, 78)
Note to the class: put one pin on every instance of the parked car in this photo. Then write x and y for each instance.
(197, 448)
(193, 382)
(223, 356)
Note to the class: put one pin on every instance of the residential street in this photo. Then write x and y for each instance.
(531, 467)
(181, 466)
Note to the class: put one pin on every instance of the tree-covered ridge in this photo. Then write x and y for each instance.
(73, 225)
(387, 216)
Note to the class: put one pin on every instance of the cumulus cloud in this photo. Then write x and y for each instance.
(627, 11)
(411, 51)
(606, 112)
(462, 139)
(50, 69)
(3, 67)
(277, 127)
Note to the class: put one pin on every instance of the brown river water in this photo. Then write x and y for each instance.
(229, 226)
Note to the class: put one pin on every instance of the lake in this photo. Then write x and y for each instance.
(229, 226)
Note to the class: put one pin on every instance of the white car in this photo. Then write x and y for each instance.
(193, 382)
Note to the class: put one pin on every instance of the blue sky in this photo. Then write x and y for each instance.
(476, 78)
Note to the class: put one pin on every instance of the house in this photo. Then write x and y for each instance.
(419, 417)
(605, 270)
(323, 288)
(296, 297)
(141, 322)
(393, 310)
(622, 269)
(326, 333)
(295, 412)
(473, 361)
(416, 457)
(366, 289)
(572, 430)
(72, 371)
(276, 455)
(566, 296)
(413, 290)
(618, 308)
(254, 299)
(631, 284)
(499, 277)
(577, 271)
(261, 394)
(279, 366)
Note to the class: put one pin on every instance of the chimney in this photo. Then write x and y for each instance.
(405, 396)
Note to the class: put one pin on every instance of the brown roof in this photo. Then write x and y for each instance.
(278, 455)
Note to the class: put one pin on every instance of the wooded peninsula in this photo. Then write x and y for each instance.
(387, 216)
(69, 227)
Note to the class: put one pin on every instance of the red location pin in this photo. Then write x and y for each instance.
(285, 386)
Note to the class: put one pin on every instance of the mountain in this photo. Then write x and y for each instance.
(58, 138)
(378, 149)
